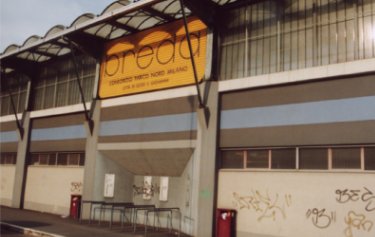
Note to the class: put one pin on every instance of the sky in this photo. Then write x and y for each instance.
(20, 19)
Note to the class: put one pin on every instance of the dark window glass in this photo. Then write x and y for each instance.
(370, 158)
(62, 159)
(8, 158)
(232, 159)
(257, 159)
(82, 159)
(346, 158)
(74, 159)
(34, 160)
(313, 158)
(52, 159)
(43, 159)
(283, 159)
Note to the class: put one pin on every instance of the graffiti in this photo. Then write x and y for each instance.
(149, 191)
(320, 218)
(346, 195)
(358, 222)
(76, 187)
(263, 204)
(369, 197)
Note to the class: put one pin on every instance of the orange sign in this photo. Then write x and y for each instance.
(153, 59)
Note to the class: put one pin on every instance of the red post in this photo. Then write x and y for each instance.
(225, 222)
(75, 206)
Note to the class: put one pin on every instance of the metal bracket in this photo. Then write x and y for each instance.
(88, 115)
(202, 105)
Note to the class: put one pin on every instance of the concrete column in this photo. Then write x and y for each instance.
(91, 189)
(204, 165)
(21, 164)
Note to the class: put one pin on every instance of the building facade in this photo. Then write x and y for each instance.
(263, 107)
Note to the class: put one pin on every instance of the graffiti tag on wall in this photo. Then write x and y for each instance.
(358, 222)
(365, 195)
(149, 191)
(321, 218)
(76, 187)
(265, 205)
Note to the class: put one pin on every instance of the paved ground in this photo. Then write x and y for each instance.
(54, 226)
(7, 232)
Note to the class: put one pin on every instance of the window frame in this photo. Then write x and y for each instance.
(328, 159)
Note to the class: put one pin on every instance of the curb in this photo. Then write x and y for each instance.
(25, 230)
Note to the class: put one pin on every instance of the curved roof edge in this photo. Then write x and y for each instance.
(58, 28)
(82, 18)
(11, 47)
(115, 5)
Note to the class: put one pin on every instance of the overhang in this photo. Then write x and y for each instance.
(89, 32)
(163, 158)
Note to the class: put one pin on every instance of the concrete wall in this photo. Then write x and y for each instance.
(49, 189)
(179, 195)
(7, 174)
(294, 204)
(123, 180)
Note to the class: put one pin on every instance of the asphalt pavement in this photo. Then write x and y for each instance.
(24, 222)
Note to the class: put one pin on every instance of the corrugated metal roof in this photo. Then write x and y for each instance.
(118, 19)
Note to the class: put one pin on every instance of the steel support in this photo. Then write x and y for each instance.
(200, 100)
(88, 116)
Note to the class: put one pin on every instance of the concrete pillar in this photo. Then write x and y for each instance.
(204, 165)
(91, 189)
(21, 164)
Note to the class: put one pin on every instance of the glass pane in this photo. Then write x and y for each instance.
(34, 160)
(43, 159)
(61, 99)
(62, 159)
(9, 159)
(232, 159)
(5, 105)
(257, 159)
(313, 158)
(49, 97)
(283, 159)
(52, 159)
(73, 94)
(73, 159)
(82, 159)
(346, 158)
(369, 158)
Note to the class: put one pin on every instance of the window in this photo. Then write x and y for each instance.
(34, 159)
(283, 159)
(313, 158)
(308, 158)
(257, 159)
(266, 37)
(369, 158)
(57, 83)
(73, 159)
(17, 86)
(58, 158)
(346, 158)
(8, 158)
(44, 159)
(62, 159)
(232, 159)
(52, 160)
